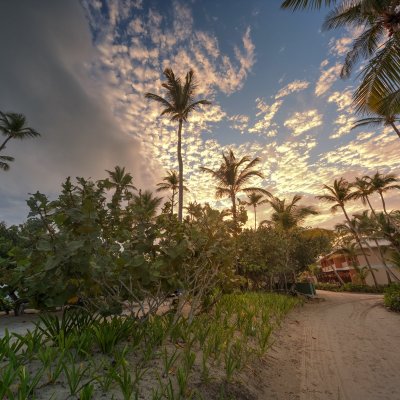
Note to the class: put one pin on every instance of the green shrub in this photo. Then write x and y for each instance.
(392, 297)
(333, 287)
(349, 287)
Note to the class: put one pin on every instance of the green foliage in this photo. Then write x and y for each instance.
(107, 333)
(392, 297)
(349, 287)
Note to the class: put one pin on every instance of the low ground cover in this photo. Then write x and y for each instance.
(86, 356)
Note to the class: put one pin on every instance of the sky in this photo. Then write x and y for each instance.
(78, 70)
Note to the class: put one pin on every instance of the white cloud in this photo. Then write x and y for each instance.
(301, 122)
(327, 78)
(292, 87)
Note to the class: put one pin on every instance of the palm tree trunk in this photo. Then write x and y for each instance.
(383, 203)
(234, 217)
(371, 208)
(395, 129)
(255, 217)
(172, 202)
(3, 146)
(180, 199)
(333, 266)
(361, 247)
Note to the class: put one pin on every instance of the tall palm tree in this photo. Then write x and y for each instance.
(340, 193)
(289, 215)
(233, 176)
(13, 126)
(381, 183)
(379, 42)
(254, 200)
(170, 183)
(178, 104)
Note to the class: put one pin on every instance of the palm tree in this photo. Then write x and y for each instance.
(362, 191)
(194, 210)
(381, 183)
(170, 183)
(4, 162)
(178, 104)
(289, 215)
(121, 181)
(233, 176)
(369, 230)
(379, 120)
(144, 206)
(13, 126)
(339, 194)
(379, 21)
(255, 199)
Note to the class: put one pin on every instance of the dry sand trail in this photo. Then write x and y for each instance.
(346, 347)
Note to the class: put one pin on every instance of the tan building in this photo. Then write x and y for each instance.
(338, 263)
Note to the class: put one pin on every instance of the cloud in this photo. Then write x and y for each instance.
(327, 78)
(339, 47)
(239, 122)
(301, 122)
(292, 87)
(56, 92)
(267, 112)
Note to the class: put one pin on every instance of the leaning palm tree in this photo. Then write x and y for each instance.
(379, 120)
(254, 200)
(340, 193)
(170, 183)
(13, 126)
(233, 176)
(178, 104)
(289, 215)
(381, 183)
(363, 191)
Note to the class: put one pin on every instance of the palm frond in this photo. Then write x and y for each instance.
(307, 4)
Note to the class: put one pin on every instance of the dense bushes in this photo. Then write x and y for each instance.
(349, 287)
(392, 297)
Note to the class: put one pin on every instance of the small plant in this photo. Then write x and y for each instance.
(233, 360)
(7, 378)
(169, 360)
(108, 333)
(125, 383)
(27, 383)
(86, 392)
(75, 374)
(182, 376)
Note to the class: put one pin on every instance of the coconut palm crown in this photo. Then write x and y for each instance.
(289, 215)
(233, 176)
(178, 103)
(13, 126)
(170, 182)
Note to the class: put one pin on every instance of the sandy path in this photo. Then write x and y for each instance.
(344, 348)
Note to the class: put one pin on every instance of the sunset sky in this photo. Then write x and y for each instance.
(79, 71)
